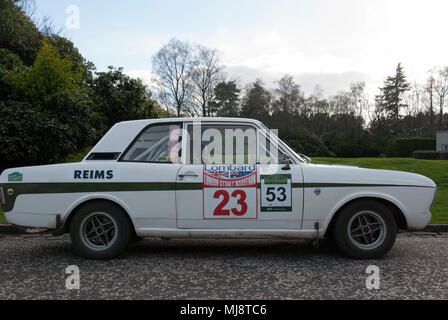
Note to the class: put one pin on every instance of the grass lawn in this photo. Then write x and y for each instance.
(437, 170)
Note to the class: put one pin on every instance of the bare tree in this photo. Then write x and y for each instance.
(358, 98)
(172, 65)
(316, 102)
(205, 75)
(288, 96)
(428, 98)
(28, 7)
(413, 99)
(353, 101)
(441, 88)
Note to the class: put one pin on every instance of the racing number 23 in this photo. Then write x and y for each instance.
(241, 201)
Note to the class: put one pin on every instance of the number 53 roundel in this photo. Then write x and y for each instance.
(230, 192)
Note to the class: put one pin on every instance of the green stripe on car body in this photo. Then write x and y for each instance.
(81, 187)
(21, 188)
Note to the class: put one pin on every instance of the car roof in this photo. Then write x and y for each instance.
(189, 119)
(118, 138)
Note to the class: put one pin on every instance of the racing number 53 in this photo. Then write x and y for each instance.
(241, 201)
(278, 194)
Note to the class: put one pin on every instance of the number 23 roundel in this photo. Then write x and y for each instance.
(230, 192)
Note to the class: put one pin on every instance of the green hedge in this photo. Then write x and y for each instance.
(430, 155)
(404, 147)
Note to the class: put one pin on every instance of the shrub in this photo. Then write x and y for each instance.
(29, 137)
(430, 155)
(307, 143)
(404, 147)
(48, 113)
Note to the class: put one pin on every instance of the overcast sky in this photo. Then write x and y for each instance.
(326, 42)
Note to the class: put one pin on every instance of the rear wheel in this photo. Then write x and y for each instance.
(365, 230)
(100, 230)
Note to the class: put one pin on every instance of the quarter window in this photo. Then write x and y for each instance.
(157, 143)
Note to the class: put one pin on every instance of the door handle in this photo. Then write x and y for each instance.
(188, 174)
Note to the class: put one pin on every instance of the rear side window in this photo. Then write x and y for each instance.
(156, 144)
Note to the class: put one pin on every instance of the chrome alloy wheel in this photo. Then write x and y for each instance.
(98, 231)
(366, 230)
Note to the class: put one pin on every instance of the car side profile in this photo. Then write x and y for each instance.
(212, 178)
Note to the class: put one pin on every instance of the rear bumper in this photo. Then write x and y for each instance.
(32, 220)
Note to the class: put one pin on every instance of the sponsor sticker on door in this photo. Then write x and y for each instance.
(15, 176)
(93, 175)
(230, 192)
(276, 193)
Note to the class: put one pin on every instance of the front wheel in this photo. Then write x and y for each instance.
(365, 230)
(100, 230)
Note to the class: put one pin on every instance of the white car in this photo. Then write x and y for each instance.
(162, 178)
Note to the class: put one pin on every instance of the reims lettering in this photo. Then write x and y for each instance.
(93, 174)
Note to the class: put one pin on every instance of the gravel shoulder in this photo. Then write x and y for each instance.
(33, 267)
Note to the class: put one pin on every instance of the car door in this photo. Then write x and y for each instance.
(280, 183)
(224, 187)
(150, 166)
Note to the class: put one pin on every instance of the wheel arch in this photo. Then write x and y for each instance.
(393, 206)
(84, 201)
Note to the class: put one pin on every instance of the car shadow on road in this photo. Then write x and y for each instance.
(42, 248)
(207, 248)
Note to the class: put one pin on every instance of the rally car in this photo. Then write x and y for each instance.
(212, 178)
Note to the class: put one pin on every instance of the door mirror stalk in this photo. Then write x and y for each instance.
(286, 160)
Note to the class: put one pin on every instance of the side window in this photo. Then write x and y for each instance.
(269, 151)
(222, 144)
(157, 143)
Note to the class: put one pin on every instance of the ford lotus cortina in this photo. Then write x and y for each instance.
(212, 178)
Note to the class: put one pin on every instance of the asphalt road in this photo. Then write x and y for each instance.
(33, 267)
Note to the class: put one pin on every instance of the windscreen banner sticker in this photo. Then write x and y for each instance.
(276, 193)
(230, 192)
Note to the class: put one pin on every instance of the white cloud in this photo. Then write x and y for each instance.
(144, 75)
(339, 40)
(325, 42)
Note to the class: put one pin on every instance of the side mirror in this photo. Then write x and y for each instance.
(307, 159)
(287, 161)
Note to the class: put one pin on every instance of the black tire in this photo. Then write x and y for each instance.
(135, 238)
(357, 246)
(110, 217)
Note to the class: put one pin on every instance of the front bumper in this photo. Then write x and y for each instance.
(419, 221)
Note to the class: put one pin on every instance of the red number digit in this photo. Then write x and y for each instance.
(219, 211)
(241, 202)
